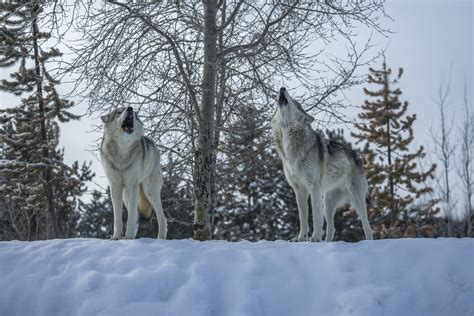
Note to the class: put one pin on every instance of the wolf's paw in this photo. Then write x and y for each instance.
(115, 238)
(315, 238)
(299, 239)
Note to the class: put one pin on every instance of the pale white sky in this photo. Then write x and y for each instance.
(430, 39)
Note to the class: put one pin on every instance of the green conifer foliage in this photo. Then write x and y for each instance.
(255, 201)
(39, 188)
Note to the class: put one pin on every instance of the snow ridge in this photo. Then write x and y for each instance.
(186, 277)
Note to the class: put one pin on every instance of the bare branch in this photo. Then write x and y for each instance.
(176, 54)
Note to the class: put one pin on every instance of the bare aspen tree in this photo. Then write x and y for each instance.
(445, 152)
(205, 152)
(188, 65)
(466, 163)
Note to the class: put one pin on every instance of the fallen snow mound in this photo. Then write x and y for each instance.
(185, 277)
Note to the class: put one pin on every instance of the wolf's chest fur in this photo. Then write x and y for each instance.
(119, 158)
(302, 152)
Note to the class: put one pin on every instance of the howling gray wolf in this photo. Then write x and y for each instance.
(131, 163)
(315, 166)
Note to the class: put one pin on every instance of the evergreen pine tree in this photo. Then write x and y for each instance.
(69, 187)
(39, 187)
(254, 200)
(394, 177)
(178, 200)
(96, 218)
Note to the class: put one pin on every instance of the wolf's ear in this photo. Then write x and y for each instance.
(308, 119)
(104, 118)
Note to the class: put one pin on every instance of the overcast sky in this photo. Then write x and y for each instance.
(430, 39)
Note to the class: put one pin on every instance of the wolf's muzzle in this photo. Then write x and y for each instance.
(127, 124)
(282, 100)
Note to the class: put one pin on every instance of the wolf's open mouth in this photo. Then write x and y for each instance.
(282, 99)
(127, 124)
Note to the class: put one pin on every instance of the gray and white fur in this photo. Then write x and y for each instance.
(316, 167)
(131, 163)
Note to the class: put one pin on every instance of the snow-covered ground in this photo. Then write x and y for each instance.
(185, 277)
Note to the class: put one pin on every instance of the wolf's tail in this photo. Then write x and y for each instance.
(144, 206)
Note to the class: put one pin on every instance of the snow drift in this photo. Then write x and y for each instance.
(186, 277)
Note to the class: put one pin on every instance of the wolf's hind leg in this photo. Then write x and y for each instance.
(331, 200)
(358, 201)
(152, 191)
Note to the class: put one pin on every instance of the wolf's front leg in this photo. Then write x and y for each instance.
(318, 215)
(132, 222)
(302, 202)
(117, 203)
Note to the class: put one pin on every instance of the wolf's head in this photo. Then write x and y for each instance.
(291, 112)
(122, 123)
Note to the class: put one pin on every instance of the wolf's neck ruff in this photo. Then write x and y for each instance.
(291, 141)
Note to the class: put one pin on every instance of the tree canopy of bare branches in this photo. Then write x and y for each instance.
(189, 65)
